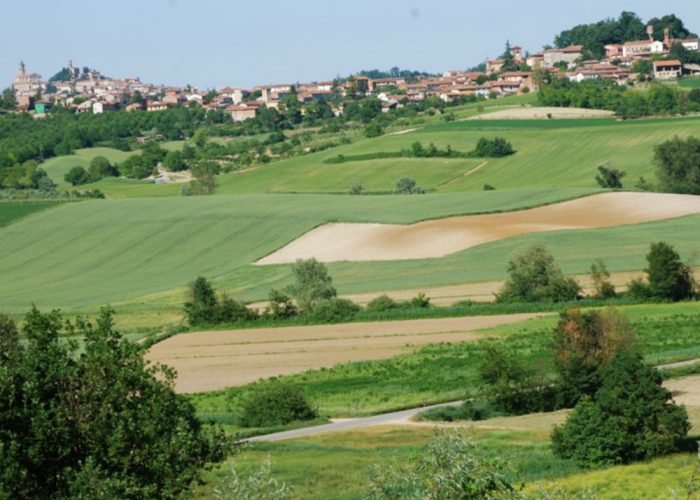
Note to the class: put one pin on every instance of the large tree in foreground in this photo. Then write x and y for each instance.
(100, 424)
(630, 418)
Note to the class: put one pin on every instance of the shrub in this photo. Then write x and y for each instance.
(583, 343)
(669, 278)
(382, 303)
(407, 185)
(489, 187)
(600, 277)
(312, 284)
(374, 129)
(639, 289)
(533, 276)
(420, 301)
(275, 403)
(678, 165)
(260, 485)
(281, 306)
(77, 176)
(335, 310)
(356, 188)
(204, 307)
(630, 418)
(610, 177)
(479, 409)
(452, 466)
(100, 167)
(493, 148)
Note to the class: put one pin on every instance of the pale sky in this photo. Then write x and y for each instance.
(212, 43)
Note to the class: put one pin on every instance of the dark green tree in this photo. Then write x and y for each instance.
(275, 403)
(678, 165)
(93, 424)
(77, 176)
(100, 167)
(630, 418)
(609, 177)
(201, 304)
(669, 277)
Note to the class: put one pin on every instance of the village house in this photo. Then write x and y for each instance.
(242, 112)
(156, 106)
(494, 66)
(667, 70)
(566, 55)
(614, 51)
(535, 60)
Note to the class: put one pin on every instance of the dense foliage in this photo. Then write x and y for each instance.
(449, 467)
(631, 417)
(678, 165)
(609, 177)
(93, 424)
(533, 276)
(669, 277)
(204, 307)
(275, 403)
(312, 284)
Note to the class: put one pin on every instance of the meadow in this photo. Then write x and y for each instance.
(13, 211)
(59, 166)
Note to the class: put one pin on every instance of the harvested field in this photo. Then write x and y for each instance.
(540, 113)
(207, 361)
(438, 238)
(685, 390)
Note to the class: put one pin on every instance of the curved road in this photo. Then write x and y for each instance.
(348, 424)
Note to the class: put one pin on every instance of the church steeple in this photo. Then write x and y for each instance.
(22, 69)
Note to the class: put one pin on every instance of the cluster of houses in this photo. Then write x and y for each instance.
(89, 91)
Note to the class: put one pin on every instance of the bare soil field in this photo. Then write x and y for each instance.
(207, 361)
(539, 113)
(685, 390)
(441, 237)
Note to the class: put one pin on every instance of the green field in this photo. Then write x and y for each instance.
(59, 166)
(95, 252)
(689, 83)
(11, 211)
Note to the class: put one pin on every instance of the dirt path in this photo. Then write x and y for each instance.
(685, 390)
(441, 237)
(539, 113)
(207, 361)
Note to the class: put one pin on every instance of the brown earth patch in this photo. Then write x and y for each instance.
(441, 237)
(213, 360)
(539, 113)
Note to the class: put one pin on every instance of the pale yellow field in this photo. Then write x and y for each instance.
(207, 361)
(438, 238)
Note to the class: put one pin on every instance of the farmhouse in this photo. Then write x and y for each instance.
(666, 70)
(242, 112)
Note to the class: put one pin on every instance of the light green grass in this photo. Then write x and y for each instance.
(689, 83)
(556, 153)
(111, 250)
(59, 166)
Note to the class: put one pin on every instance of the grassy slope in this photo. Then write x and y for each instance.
(104, 251)
(59, 166)
(559, 153)
(11, 212)
(446, 372)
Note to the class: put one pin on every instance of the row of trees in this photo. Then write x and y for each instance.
(534, 276)
(627, 103)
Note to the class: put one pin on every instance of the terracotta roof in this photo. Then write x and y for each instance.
(672, 62)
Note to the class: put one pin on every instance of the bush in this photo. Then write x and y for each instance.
(493, 148)
(678, 165)
(469, 410)
(610, 177)
(630, 418)
(669, 278)
(100, 167)
(312, 284)
(77, 176)
(583, 343)
(334, 311)
(489, 187)
(204, 307)
(407, 185)
(533, 276)
(281, 306)
(452, 466)
(382, 303)
(601, 284)
(420, 301)
(356, 188)
(374, 129)
(275, 403)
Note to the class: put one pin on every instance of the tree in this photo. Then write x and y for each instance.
(407, 185)
(493, 148)
(205, 173)
(533, 276)
(77, 176)
(678, 165)
(583, 343)
(312, 284)
(610, 177)
(275, 403)
(631, 417)
(100, 167)
(201, 302)
(451, 466)
(93, 424)
(175, 161)
(600, 276)
(8, 100)
(669, 278)
(281, 305)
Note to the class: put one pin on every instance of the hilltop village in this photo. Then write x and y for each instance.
(514, 72)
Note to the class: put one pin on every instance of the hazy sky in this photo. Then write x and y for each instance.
(218, 42)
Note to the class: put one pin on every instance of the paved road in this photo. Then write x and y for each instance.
(348, 424)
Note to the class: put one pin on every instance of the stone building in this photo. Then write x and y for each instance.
(27, 84)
